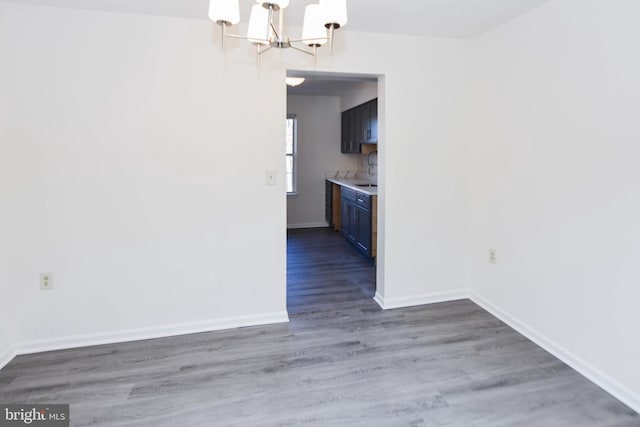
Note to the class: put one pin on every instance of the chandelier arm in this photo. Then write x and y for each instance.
(302, 40)
(224, 33)
(273, 28)
(331, 30)
(302, 50)
(261, 51)
(275, 32)
(237, 36)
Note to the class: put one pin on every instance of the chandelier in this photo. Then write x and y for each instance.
(320, 22)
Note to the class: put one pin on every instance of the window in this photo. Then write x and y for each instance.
(291, 145)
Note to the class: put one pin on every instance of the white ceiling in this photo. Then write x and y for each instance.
(430, 18)
(435, 18)
(327, 84)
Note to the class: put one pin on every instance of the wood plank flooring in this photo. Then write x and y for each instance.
(341, 361)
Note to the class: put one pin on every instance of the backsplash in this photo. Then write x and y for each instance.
(371, 163)
(368, 169)
(341, 174)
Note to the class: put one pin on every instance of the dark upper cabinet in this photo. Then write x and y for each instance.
(368, 126)
(373, 122)
(359, 126)
(349, 143)
(363, 123)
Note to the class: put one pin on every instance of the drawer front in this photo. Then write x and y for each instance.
(348, 194)
(363, 200)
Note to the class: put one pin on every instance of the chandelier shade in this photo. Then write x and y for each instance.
(314, 33)
(224, 12)
(265, 34)
(259, 30)
(280, 4)
(335, 12)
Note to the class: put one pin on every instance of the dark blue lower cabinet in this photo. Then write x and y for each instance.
(355, 210)
(363, 223)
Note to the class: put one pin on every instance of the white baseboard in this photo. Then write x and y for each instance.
(617, 390)
(308, 225)
(433, 298)
(379, 300)
(75, 341)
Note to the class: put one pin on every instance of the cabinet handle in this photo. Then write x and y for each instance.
(361, 201)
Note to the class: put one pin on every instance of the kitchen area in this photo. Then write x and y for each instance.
(336, 157)
(351, 204)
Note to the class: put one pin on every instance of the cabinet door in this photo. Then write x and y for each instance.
(373, 122)
(344, 218)
(348, 216)
(344, 141)
(348, 141)
(363, 123)
(353, 220)
(354, 146)
(363, 224)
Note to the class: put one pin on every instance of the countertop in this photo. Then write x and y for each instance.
(362, 185)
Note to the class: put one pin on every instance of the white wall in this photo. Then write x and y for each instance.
(7, 334)
(126, 157)
(423, 224)
(553, 153)
(319, 122)
(422, 173)
(361, 93)
(137, 156)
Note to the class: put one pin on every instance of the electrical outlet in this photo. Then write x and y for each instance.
(493, 256)
(270, 177)
(46, 281)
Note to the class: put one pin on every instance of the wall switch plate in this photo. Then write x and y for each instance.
(271, 177)
(46, 281)
(493, 256)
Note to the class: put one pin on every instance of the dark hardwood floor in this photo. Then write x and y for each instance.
(325, 274)
(340, 361)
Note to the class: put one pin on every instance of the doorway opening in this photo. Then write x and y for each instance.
(334, 212)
